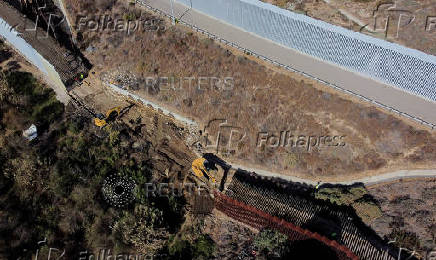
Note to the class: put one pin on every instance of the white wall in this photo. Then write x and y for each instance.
(406, 68)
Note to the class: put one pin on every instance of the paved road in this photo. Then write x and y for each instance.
(387, 177)
(383, 93)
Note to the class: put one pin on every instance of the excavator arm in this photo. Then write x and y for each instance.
(200, 170)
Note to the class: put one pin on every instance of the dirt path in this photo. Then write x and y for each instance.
(349, 15)
(371, 180)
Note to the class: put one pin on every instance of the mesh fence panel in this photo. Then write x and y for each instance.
(408, 69)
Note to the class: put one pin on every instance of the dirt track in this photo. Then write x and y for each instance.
(66, 64)
(370, 180)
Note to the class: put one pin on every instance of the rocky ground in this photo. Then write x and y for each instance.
(407, 206)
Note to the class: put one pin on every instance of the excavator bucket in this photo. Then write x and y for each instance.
(114, 112)
(100, 122)
(200, 170)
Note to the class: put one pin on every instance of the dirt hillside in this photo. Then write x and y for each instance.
(273, 114)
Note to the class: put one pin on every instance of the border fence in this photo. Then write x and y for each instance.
(260, 220)
(60, 64)
(287, 67)
(295, 203)
(408, 69)
(8, 34)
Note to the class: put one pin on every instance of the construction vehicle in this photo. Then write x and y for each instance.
(112, 114)
(202, 168)
(102, 120)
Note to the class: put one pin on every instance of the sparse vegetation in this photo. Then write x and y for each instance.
(404, 239)
(182, 248)
(129, 16)
(203, 247)
(262, 99)
(408, 213)
(271, 244)
(50, 187)
(357, 197)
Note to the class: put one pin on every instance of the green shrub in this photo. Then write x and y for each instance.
(203, 247)
(48, 111)
(21, 82)
(404, 239)
(357, 197)
(179, 248)
(129, 16)
(141, 227)
(271, 242)
(341, 196)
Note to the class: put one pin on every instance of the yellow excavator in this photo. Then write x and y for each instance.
(202, 168)
(102, 120)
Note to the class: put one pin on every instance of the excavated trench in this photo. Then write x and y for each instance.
(42, 25)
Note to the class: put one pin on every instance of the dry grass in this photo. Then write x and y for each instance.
(262, 100)
(409, 206)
